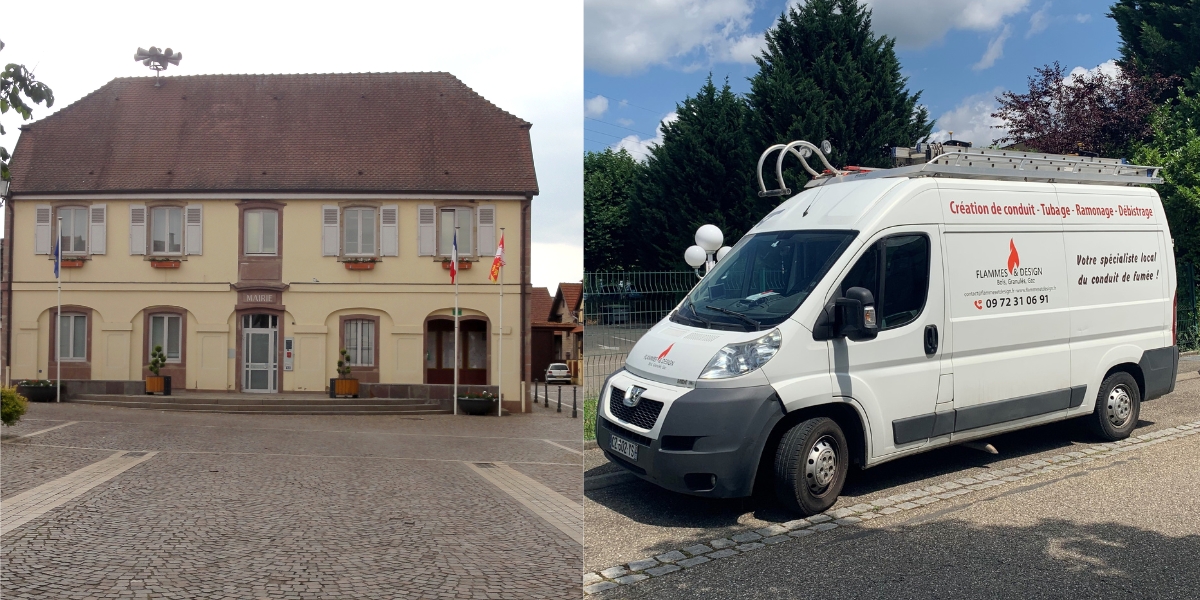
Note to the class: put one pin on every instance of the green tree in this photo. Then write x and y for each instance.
(18, 89)
(609, 184)
(1175, 146)
(703, 172)
(825, 76)
(1159, 37)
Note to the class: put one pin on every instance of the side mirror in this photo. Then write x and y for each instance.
(855, 315)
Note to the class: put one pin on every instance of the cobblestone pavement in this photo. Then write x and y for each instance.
(636, 520)
(279, 506)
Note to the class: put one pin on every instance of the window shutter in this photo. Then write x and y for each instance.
(426, 230)
(487, 230)
(43, 233)
(99, 220)
(193, 234)
(137, 229)
(389, 230)
(329, 230)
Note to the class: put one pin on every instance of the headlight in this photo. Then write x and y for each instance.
(739, 359)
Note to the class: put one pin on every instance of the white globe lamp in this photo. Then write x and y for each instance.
(722, 252)
(709, 238)
(695, 256)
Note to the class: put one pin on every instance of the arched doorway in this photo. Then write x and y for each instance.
(473, 351)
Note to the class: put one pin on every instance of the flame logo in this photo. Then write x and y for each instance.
(1014, 260)
(664, 352)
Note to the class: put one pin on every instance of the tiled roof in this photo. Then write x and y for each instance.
(542, 303)
(572, 293)
(360, 132)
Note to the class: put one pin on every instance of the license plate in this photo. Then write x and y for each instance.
(623, 447)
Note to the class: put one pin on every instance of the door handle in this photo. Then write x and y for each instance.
(931, 340)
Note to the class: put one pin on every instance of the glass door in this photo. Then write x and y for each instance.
(260, 343)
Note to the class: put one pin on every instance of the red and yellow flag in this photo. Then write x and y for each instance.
(498, 261)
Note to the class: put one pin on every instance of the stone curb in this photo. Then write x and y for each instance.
(750, 540)
(590, 445)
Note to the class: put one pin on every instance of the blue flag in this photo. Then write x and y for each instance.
(57, 258)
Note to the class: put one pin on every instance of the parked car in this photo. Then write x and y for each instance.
(870, 319)
(558, 372)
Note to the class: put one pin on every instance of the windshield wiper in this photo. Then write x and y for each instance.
(706, 322)
(757, 326)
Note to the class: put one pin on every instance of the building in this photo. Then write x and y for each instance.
(557, 329)
(254, 225)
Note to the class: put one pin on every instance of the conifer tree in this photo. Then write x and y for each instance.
(825, 76)
(609, 183)
(703, 172)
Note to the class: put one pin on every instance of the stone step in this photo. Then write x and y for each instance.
(305, 408)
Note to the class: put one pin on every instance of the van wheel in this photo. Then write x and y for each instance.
(1117, 407)
(811, 465)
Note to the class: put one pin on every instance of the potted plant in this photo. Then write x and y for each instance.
(344, 385)
(360, 264)
(158, 384)
(37, 390)
(481, 403)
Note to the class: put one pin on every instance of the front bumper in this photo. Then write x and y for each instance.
(709, 440)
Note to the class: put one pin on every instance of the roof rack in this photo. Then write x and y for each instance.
(970, 163)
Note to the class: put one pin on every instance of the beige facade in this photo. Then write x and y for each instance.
(404, 297)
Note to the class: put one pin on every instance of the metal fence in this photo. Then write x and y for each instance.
(1187, 323)
(618, 308)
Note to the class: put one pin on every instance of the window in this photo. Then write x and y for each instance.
(166, 230)
(360, 232)
(360, 342)
(74, 230)
(463, 219)
(900, 293)
(72, 337)
(262, 232)
(166, 331)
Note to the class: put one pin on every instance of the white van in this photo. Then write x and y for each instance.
(881, 314)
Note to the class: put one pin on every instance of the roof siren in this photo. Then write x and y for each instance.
(157, 60)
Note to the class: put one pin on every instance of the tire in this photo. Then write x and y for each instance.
(810, 466)
(1118, 405)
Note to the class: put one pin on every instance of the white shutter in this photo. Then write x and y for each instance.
(389, 230)
(487, 230)
(426, 230)
(42, 233)
(330, 242)
(193, 235)
(98, 217)
(137, 229)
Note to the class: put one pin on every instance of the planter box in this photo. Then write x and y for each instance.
(70, 264)
(37, 394)
(158, 384)
(477, 406)
(165, 264)
(463, 265)
(343, 387)
(359, 266)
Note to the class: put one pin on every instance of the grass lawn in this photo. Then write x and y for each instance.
(589, 418)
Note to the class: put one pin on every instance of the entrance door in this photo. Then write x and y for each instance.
(473, 352)
(260, 344)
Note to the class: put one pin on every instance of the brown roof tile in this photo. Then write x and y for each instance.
(360, 132)
(542, 303)
(572, 293)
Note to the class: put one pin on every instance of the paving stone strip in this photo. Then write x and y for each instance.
(40, 431)
(556, 509)
(553, 443)
(750, 540)
(31, 504)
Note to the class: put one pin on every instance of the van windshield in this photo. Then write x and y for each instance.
(763, 279)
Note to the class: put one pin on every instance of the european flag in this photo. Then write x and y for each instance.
(57, 258)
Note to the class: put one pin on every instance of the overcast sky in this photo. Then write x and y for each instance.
(644, 56)
(526, 57)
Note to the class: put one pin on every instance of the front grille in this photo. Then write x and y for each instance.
(632, 436)
(644, 415)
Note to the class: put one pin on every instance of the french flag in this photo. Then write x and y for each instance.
(454, 258)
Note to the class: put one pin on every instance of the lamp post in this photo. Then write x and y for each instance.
(708, 249)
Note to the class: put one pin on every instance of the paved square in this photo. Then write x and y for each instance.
(274, 506)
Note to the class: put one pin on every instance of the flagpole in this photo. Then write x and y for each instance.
(58, 315)
(454, 266)
(500, 343)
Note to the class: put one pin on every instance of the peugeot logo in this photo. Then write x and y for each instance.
(633, 395)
